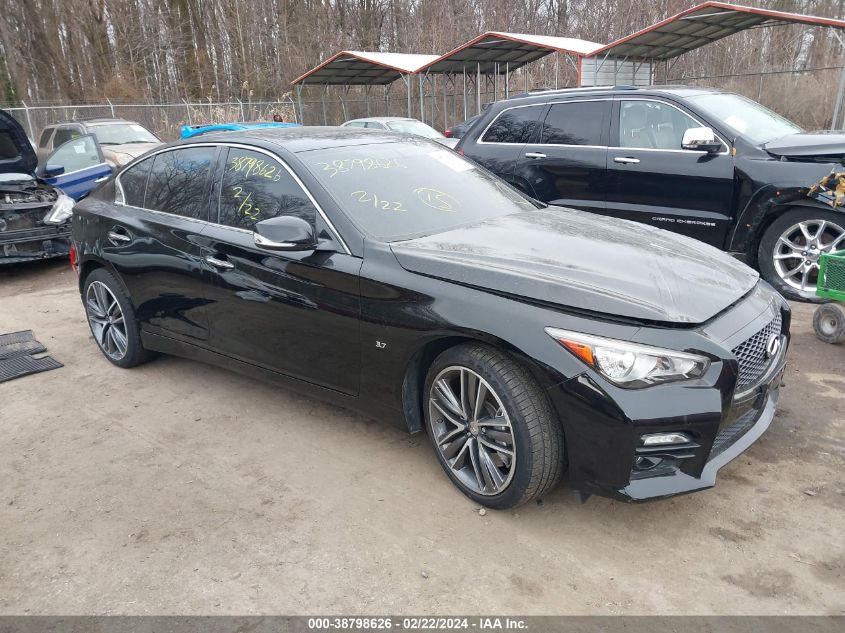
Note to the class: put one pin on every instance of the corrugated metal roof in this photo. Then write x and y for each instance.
(506, 49)
(700, 25)
(363, 68)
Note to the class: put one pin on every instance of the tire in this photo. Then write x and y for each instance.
(112, 320)
(829, 323)
(528, 429)
(805, 250)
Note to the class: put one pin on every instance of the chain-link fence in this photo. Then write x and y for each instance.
(164, 119)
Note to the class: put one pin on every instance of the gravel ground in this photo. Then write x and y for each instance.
(178, 488)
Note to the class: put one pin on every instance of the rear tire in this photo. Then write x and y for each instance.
(492, 427)
(112, 320)
(789, 251)
(829, 323)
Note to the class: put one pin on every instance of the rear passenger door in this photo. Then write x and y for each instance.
(154, 245)
(500, 146)
(567, 165)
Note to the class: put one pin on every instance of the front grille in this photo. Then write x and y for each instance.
(752, 357)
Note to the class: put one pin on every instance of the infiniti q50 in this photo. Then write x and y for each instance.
(388, 274)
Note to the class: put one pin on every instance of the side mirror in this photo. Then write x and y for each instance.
(701, 139)
(285, 233)
(52, 170)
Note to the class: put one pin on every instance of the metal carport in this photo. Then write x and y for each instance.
(360, 68)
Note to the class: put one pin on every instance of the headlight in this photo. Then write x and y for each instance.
(61, 211)
(630, 365)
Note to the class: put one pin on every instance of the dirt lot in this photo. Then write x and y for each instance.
(178, 488)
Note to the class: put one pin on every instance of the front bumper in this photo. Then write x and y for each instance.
(604, 426)
(41, 242)
(749, 418)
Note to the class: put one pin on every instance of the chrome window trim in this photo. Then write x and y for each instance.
(245, 146)
(671, 105)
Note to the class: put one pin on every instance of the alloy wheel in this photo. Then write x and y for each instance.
(106, 320)
(797, 251)
(472, 430)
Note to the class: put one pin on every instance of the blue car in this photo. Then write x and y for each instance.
(36, 203)
(188, 131)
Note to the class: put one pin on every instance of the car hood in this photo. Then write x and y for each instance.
(12, 133)
(809, 145)
(132, 149)
(583, 261)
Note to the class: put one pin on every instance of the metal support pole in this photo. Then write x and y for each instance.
(525, 78)
(299, 88)
(343, 103)
(188, 110)
(557, 71)
(323, 103)
(445, 103)
(433, 81)
(834, 122)
(507, 80)
(408, 85)
(466, 113)
(367, 92)
(478, 88)
(386, 100)
(28, 120)
(422, 97)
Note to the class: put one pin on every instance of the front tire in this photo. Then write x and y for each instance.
(112, 320)
(492, 427)
(789, 251)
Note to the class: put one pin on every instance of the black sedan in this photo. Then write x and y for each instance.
(388, 274)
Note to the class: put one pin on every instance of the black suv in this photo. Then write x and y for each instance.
(705, 163)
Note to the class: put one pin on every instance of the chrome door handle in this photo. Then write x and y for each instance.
(534, 155)
(219, 263)
(115, 237)
(103, 179)
(626, 160)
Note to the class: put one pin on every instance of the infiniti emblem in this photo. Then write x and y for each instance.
(772, 345)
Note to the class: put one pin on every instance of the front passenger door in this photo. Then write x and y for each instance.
(76, 167)
(293, 312)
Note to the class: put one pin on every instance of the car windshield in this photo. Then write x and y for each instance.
(414, 127)
(123, 134)
(396, 191)
(747, 117)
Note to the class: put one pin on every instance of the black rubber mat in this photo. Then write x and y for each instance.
(18, 343)
(18, 366)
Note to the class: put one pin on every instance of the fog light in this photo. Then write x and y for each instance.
(664, 439)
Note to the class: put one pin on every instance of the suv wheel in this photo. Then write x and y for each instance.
(111, 318)
(789, 251)
(492, 427)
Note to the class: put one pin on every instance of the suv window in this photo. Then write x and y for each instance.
(575, 123)
(178, 182)
(257, 187)
(64, 134)
(652, 125)
(516, 125)
(45, 137)
(133, 181)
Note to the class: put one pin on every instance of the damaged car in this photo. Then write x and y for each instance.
(388, 274)
(36, 203)
(705, 163)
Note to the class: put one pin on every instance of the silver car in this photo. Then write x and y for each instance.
(120, 140)
(402, 124)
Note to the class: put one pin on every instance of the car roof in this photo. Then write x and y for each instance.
(304, 138)
(93, 121)
(383, 118)
(545, 95)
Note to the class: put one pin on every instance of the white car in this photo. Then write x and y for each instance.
(402, 124)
